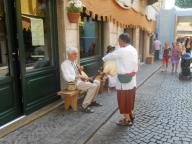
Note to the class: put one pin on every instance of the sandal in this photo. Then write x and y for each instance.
(87, 110)
(121, 120)
(132, 117)
(125, 122)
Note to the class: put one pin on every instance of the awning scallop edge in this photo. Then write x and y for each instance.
(108, 10)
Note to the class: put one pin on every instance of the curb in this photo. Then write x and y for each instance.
(25, 120)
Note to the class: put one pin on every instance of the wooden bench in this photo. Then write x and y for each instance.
(70, 98)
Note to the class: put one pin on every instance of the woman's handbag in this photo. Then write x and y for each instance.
(71, 86)
(124, 78)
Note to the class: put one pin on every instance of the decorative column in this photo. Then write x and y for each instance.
(136, 39)
(149, 59)
(106, 34)
(146, 44)
(61, 34)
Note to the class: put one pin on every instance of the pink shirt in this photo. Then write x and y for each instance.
(157, 45)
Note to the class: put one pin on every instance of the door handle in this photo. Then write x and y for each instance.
(14, 54)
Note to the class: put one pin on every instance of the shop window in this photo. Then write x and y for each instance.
(36, 33)
(89, 40)
(130, 31)
(4, 71)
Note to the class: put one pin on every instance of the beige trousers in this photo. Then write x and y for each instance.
(92, 91)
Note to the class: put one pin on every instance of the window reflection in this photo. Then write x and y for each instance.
(88, 38)
(36, 33)
(4, 71)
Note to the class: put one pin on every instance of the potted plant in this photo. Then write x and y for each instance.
(73, 10)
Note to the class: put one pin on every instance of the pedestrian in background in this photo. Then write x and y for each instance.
(157, 48)
(127, 66)
(166, 55)
(175, 56)
(187, 46)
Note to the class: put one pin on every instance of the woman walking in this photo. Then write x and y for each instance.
(175, 56)
(166, 54)
(127, 65)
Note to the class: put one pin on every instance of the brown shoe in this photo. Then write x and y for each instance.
(87, 110)
(94, 103)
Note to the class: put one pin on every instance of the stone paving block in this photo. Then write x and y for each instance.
(163, 109)
(163, 112)
(186, 139)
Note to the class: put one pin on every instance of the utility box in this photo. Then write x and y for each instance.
(149, 60)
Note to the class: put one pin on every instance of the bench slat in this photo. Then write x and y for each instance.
(69, 93)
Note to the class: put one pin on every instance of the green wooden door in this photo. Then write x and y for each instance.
(36, 24)
(10, 98)
(29, 71)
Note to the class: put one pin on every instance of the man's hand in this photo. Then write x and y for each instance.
(132, 74)
(84, 78)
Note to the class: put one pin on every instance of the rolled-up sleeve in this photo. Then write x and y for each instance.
(111, 56)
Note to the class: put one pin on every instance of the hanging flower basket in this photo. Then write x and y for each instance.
(73, 10)
(73, 17)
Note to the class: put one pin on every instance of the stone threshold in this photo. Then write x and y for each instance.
(26, 119)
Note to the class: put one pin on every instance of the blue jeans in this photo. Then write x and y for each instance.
(157, 54)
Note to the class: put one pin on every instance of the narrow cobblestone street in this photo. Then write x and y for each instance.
(67, 127)
(61, 62)
(163, 115)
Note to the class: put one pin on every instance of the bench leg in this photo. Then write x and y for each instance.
(102, 85)
(67, 102)
(71, 101)
(74, 102)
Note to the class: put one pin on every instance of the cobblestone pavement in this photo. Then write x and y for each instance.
(66, 127)
(163, 115)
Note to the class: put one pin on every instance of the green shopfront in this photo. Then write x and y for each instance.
(91, 43)
(29, 71)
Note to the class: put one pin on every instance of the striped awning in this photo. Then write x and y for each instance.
(150, 2)
(109, 10)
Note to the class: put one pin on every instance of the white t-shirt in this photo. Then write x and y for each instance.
(127, 62)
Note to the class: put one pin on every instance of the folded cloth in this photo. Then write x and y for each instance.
(110, 67)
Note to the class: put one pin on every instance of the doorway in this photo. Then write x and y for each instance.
(29, 71)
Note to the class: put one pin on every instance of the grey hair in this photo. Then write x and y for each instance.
(125, 37)
(71, 50)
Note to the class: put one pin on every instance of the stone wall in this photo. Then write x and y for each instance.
(68, 33)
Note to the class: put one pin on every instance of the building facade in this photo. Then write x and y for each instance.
(34, 36)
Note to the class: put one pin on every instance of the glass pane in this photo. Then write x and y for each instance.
(4, 71)
(36, 33)
(88, 38)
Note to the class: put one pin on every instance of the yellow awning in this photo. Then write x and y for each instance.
(109, 9)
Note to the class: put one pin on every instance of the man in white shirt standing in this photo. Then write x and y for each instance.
(127, 65)
(157, 48)
(71, 73)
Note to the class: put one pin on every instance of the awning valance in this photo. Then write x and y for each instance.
(110, 10)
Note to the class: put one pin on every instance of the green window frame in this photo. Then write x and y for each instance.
(90, 37)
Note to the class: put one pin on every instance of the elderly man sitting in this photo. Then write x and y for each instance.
(71, 73)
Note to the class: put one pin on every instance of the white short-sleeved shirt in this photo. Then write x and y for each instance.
(127, 62)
